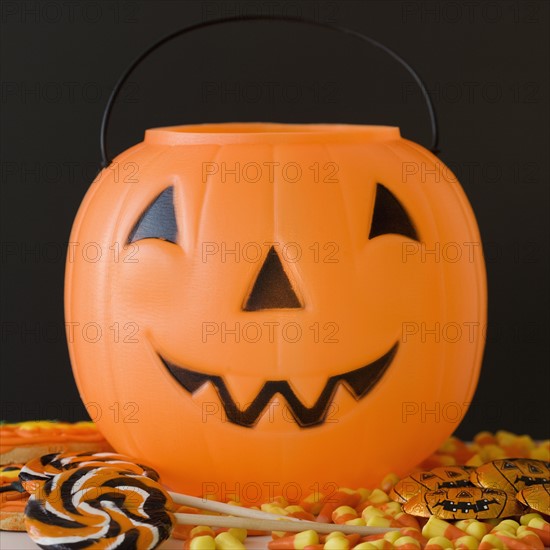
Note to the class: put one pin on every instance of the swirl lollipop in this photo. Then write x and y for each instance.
(38, 470)
(101, 508)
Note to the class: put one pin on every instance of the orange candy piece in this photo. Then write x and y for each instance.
(342, 497)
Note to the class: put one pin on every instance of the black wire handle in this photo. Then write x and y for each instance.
(105, 161)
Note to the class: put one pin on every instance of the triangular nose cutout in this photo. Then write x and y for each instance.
(272, 289)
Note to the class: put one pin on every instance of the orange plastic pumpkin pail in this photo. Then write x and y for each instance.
(271, 309)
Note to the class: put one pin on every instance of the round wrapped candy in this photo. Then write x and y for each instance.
(511, 474)
(536, 497)
(438, 478)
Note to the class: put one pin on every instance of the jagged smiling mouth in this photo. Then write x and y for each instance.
(528, 480)
(358, 382)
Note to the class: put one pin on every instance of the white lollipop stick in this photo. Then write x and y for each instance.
(223, 508)
(277, 525)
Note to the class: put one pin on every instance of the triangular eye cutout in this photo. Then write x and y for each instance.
(509, 466)
(389, 216)
(534, 469)
(426, 475)
(451, 473)
(272, 288)
(158, 221)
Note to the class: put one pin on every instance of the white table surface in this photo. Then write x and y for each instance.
(21, 541)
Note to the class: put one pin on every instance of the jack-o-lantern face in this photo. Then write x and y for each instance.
(278, 281)
(512, 474)
(272, 290)
(464, 503)
(444, 477)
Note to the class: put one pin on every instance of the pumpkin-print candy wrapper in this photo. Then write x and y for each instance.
(537, 497)
(437, 478)
(464, 503)
(511, 474)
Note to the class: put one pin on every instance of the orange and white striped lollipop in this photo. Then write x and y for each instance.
(37, 471)
(99, 508)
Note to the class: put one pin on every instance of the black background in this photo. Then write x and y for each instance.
(486, 63)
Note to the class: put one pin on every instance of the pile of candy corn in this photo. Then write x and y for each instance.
(374, 507)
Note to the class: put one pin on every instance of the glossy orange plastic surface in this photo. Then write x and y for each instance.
(313, 316)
